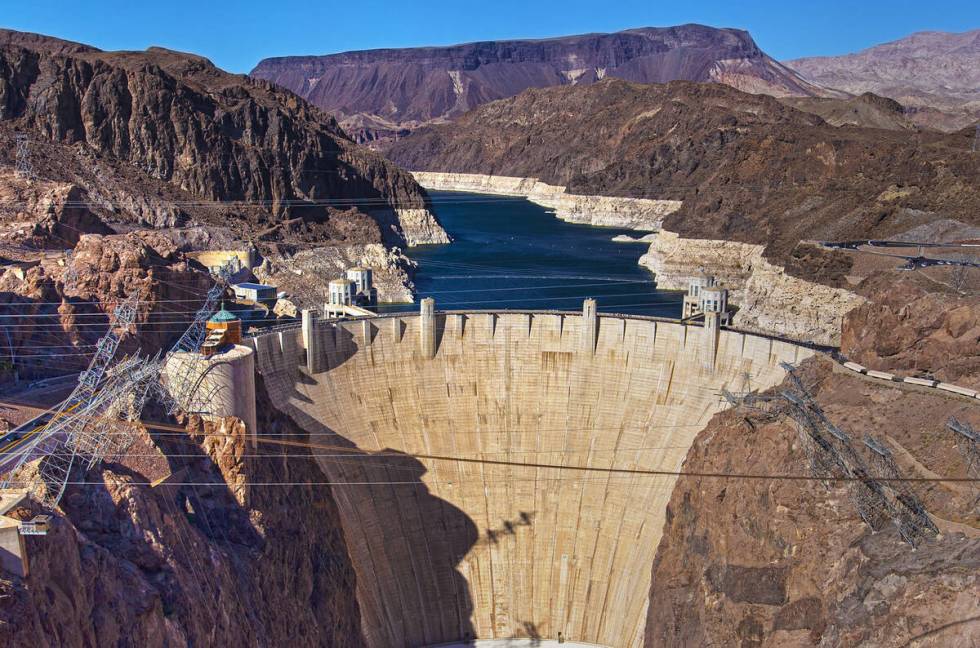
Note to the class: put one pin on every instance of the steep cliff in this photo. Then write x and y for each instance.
(383, 93)
(210, 554)
(789, 562)
(218, 136)
(769, 299)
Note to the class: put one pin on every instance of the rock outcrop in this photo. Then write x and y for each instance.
(296, 274)
(867, 110)
(381, 94)
(605, 211)
(44, 215)
(747, 167)
(768, 299)
(50, 327)
(218, 136)
(186, 543)
(790, 562)
(909, 328)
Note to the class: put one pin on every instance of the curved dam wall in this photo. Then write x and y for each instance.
(473, 456)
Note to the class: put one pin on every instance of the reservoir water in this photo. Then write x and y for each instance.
(511, 253)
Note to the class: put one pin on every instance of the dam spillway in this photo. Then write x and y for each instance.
(530, 534)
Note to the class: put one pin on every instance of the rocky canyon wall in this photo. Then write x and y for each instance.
(768, 299)
(191, 540)
(606, 211)
(765, 563)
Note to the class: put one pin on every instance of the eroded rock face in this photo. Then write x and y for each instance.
(216, 135)
(906, 327)
(935, 69)
(53, 326)
(768, 299)
(762, 562)
(299, 274)
(43, 215)
(226, 562)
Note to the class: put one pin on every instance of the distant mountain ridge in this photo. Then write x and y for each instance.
(747, 167)
(381, 93)
(923, 70)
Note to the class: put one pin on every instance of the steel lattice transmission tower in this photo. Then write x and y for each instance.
(24, 168)
(877, 489)
(910, 515)
(74, 430)
(968, 441)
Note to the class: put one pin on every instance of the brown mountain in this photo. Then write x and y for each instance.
(217, 136)
(747, 167)
(926, 70)
(379, 93)
(868, 110)
(142, 157)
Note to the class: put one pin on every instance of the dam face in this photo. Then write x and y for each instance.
(476, 499)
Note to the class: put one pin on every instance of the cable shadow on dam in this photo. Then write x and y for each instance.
(541, 532)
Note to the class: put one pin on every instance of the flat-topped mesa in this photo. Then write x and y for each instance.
(490, 487)
(608, 211)
(382, 93)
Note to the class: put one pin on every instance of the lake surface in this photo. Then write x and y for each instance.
(510, 253)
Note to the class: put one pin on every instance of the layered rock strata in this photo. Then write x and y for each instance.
(380, 94)
(219, 136)
(769, 299)
(607, 211)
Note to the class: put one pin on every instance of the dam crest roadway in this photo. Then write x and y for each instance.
(449, 551)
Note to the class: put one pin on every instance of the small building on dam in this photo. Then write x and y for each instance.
(485, 489)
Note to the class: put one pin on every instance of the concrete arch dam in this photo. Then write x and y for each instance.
(450, 550)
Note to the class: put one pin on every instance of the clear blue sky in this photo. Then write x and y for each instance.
(236, 35)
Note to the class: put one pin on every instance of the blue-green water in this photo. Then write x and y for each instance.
(511, 253)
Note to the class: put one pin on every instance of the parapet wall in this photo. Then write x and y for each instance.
(486, 492)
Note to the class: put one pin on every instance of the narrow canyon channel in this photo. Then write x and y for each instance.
(509, 253)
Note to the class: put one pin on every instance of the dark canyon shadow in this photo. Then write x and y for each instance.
(406, 543)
